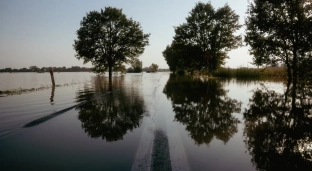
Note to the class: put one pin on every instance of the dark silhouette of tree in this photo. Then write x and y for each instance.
(109, 115)
(280, 32)
(34, 69)
(203, 107)
(8, 70)
(211, 31)
(278, 132)
(153, 67)
(23, 70)
(136, 66)
(181, 56)
(108, 38)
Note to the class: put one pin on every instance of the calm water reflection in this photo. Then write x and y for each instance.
(275, 125)
(111, 115)
(71, 139)
(210, 124)
(278, 129)
(204, 107)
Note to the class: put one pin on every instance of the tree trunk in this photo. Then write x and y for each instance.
(294, 67)
(288, 69)
(110, 82)
(289, 79)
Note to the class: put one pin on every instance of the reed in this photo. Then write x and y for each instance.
(19, 91)
(252, 73)
(245, 72)
(224, 72)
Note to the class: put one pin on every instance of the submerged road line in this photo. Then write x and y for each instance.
(159, 148)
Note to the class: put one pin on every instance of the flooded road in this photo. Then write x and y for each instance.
(156, 121)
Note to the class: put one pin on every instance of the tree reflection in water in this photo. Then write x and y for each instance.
(278, 129)
(110, 115)
(203, 107)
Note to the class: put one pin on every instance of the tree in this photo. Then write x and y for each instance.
(153, 67)
(181, 56)
(8, 70)
(34, 68)
(171, 57)
(212, 31)
(136, 66)
(120, 68)
(280, 31)
(108, 38)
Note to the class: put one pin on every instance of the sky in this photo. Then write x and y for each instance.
(42, 32)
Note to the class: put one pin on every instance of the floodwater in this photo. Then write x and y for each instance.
(153, 121)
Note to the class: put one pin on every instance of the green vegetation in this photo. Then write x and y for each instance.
(244, 72)
(153, 67)
(108, 39)
(280, 32)
(204, 40)
(19, 91)
(136, 66)
(277, 32)
(22, 91)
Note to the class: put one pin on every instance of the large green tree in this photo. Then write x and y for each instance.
(108, 38)
(279, 31)
(212, 31)
(181, 56)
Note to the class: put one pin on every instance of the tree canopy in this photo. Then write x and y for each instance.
(108, 38)
(207, 31)
(179, 55)
(280, 32)
(136, 66)
(153, 67)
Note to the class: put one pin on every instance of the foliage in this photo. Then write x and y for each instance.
(207, 31)
(180, 72)
(120, 68)
(153, 67)
(136, 66)
(34, 68)
(280, 31)
(108, 38)
(181, 56)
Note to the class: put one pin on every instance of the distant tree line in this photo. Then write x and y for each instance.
(46, 69)
(136, 67)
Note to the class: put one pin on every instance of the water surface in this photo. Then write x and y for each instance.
(156, 121)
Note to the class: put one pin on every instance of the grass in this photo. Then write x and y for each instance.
(22, 91)
(252, 73)
(5, 93)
